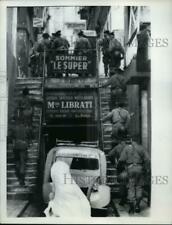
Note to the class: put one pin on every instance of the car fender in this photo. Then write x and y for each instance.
(100, 198)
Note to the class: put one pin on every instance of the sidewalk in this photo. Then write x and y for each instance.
(16, 207)
(123, 210)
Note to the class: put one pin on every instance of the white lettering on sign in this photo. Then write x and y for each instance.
(52, 104)
(67, 65)
(71, 58)
(76, 105)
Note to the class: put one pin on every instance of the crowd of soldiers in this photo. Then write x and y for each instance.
(130, 158)
(52, 46)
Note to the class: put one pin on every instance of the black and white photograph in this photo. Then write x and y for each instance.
(79, 111)
(79, 115)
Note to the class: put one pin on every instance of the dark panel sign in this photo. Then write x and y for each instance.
(74, 63)
(72, 105)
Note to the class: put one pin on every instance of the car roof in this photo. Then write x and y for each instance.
(77, 151)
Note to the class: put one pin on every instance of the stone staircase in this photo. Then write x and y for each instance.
(107, 141)
(14, 190)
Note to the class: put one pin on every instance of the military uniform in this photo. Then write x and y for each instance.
(44, 47)
(118, 89)
(116, 53)
(135, 158)
(82, 46)
(25, 110)
(105, 50)
(114, 156)
(115, 153)
(61, 44)
(120, 119)
(21, 135)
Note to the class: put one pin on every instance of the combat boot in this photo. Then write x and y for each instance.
(137, 208)
(131, 209)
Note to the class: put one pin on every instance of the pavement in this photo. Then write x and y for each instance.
(24, 208)
(16, 207)
(123, 210)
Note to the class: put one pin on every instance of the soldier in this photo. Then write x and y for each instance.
(104, 43)
(114, 156)
(44, 44)
(43, 48)
(118, 87)
(24, 108)
(143, 54)
(115, 153)
(82, 45)
(136, 161)
(116, 52)
(53, 37)
(21, 135)
(61, 44)
(120, 119)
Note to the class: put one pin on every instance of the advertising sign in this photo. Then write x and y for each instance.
(71, 105)
(37, 22)
(78, 64)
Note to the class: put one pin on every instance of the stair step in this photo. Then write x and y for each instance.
(30, 150)
(14, 180)
(28, 80)
(112, 179)
(104, 103)
(107, 145)
(105, 98)
(31, 157)
(35, 120)
(111, 171)
(19, 196)
(36, 114)
(33, 146)
(37, 92)
(29, 165)
(105, 109)
(107, 137)
(29, 173)
(115, 189)
(30, 153)
(34, 98)
(18, 189)
(113, 184)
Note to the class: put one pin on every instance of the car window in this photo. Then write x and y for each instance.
(84, 164)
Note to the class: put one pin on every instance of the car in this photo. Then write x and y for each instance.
(88, 169)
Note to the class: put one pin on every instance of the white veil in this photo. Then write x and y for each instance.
(68, 200)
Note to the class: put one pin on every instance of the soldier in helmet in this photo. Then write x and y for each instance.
(114, 156)
(44, 44)
(21, 134)
(117, 81)
(82, 45)
(116, 52)
(60, 44)
(120, 119)
(136, 161)
(104, 43)
(25, 107)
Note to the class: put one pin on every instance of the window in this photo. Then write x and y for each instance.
(84, 164)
